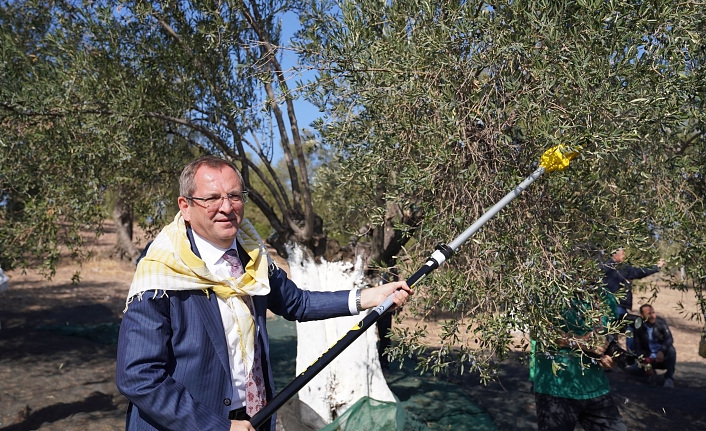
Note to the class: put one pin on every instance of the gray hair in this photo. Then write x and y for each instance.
(187, 184)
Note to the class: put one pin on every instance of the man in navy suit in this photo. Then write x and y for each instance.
(193, 352)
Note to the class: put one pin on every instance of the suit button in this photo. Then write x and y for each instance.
(226, 401)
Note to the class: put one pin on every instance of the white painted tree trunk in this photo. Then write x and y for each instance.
(356, 372)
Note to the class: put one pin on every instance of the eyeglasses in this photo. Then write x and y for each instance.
(215, 202)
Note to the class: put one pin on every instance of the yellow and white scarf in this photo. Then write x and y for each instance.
(171, 265)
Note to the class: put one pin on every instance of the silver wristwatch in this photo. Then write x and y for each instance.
(357, 301)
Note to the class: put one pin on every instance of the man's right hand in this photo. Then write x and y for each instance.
(661, 263)
(607, 362)
(241, 426)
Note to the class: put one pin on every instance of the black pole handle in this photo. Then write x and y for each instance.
(327, 357)
(555, 159)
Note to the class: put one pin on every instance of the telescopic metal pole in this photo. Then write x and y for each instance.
(439, 256)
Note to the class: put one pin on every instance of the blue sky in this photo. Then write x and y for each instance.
(305, 111)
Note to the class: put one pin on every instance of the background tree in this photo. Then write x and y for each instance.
(148, 85)
(63, 148)
(438, 109)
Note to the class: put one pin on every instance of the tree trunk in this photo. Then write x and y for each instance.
(123, 218)
(356, 372)
(318, 244)
(386, 242)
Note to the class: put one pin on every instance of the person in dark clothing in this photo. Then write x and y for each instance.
(653, 340)
(619, 275)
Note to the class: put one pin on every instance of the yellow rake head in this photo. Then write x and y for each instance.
(557, 158)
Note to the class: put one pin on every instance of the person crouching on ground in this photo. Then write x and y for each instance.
(654, 341)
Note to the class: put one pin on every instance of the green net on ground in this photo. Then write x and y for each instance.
(433, 404)
(425, 403)
(369, 414)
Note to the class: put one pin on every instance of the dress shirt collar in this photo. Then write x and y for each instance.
(210, 253)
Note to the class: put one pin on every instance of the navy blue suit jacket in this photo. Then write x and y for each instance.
(173, 359)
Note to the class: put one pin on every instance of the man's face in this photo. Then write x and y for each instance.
(619, 256)
(220, 225)
(649, 315)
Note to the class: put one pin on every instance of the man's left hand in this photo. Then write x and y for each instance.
(659, 357)
(374, 296)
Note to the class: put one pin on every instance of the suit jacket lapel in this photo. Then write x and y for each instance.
(256, 300)
(207, 307)
(211, 316)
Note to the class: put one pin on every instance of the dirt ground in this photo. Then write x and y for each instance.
(54, 382)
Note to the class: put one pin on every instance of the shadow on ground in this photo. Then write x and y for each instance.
(643, 405)
(32, 420)
(56, 375)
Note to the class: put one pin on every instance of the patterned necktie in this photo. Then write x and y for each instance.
(255, 396)
(236, 267)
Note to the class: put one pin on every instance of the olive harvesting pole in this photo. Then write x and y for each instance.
(556, 158)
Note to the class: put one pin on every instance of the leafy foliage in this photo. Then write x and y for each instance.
(449, 105)
(434, 110)
(64, 147)
(132, 90)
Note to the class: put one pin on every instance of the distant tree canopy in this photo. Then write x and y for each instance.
(440, 108)
(432, 112)
(115, 96)
(74, 132)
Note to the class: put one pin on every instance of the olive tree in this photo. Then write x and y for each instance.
(124, 92)
(65, 148)
(438, 109)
